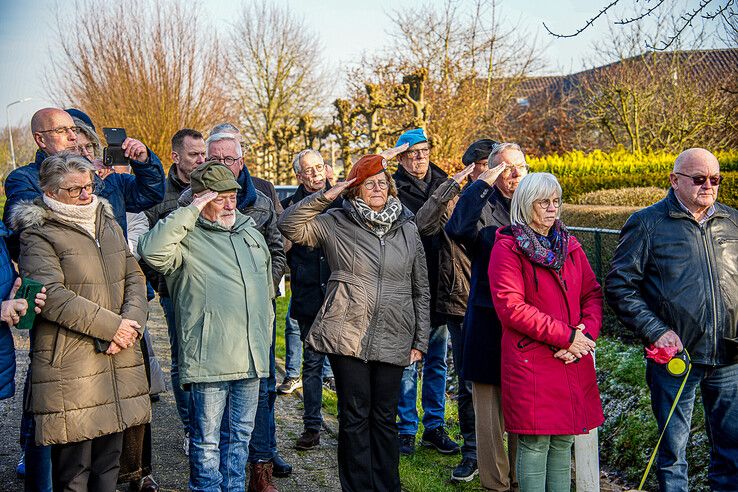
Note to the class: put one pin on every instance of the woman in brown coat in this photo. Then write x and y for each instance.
(88, 382)
(375, 317)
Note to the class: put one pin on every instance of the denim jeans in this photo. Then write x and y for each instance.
(181, 397)
(719, 387)
(221, 423)
(464, 398)
(293, 347)
(37, 458)
(544, 463)
(312, 385)
(433, 397)
(263, 445)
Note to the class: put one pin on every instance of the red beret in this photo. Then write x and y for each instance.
(366, 167)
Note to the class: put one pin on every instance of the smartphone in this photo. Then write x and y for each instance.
(28, 290)
(113, 154)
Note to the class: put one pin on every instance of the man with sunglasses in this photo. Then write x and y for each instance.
(674, 282)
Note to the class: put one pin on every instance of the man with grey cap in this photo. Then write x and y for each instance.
(218, 268)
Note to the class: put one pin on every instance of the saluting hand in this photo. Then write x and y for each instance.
(337, 189)
(203, 199)
(490, 175)
(390, 153)
(461, 175)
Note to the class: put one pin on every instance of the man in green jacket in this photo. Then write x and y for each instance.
(217, 267)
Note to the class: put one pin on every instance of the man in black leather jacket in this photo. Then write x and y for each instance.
(674, 282)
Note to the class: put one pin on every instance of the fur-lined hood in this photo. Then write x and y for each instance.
(30, 213)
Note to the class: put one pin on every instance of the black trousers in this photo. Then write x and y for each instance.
(368, 449)
(91, 465)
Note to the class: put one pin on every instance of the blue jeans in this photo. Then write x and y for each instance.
(293, 347)
(263, 445)
(221, 422)
(467, 424)
(433, 396)
(181, 397)
(312, 384)
(719, 387)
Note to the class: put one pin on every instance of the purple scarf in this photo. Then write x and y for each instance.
(548, 251)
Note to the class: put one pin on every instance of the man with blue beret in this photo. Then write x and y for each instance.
(416, 179)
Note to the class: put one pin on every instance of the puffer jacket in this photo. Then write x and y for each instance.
(671, 273)
(376, 302)
(539, 310)
(78, 393)
(7, 349)
(220, 280)
(454, 265)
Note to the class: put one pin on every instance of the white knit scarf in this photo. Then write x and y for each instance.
(82, 215)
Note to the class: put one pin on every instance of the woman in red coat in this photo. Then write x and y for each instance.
(550, 307)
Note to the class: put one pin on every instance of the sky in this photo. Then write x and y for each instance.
(346, 29)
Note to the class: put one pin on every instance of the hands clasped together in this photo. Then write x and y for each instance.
(580, 347)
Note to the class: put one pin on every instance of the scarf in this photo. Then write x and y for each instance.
(81, 215)
(548, 251)
(378, 222)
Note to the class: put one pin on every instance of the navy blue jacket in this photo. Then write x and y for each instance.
(125, 192)
(7, 350)
(480, 211)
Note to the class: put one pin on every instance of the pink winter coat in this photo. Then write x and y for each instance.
(538, 310)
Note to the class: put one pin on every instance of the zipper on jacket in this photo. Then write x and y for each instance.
(376, 303)
(712, 294)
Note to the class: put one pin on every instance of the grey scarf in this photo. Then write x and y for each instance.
(378, 222)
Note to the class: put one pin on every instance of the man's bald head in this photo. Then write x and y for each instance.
(695, 156)
(48, 119)
(700, 165)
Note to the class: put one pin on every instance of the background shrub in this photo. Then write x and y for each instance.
(626, 197)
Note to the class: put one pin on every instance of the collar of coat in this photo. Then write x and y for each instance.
(505, 236)
(35, 213)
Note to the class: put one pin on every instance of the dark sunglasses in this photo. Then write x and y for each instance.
(700, 180)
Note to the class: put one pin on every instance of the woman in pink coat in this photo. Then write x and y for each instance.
(550, 307)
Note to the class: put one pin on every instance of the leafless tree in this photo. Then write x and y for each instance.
(151, 67)
(275, 68)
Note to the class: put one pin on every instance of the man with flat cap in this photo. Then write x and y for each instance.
(218, 268)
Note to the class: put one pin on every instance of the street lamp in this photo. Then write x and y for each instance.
(10, 129)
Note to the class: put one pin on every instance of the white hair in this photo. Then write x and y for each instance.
(534, 186)
(217, 137)
(498, 148)
(296, 161)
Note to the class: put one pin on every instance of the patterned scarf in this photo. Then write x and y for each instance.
(548, 251)
(378, 222)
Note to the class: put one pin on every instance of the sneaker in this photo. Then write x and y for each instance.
(280, 468)
(465, 471)
(329, 384)
(186, 444)
(308, 440)
(438, 438)
(289, 385)
(407, 444)
(20, 469)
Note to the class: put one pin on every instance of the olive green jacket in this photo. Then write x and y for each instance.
(78, 393)
(221, 285)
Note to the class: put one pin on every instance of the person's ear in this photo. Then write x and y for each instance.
(39, 139)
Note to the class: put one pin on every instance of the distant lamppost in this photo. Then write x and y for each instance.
(10, 129)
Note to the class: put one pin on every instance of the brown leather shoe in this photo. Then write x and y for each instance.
(260, 477)
(308, 440)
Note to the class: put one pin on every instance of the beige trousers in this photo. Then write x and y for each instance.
(496, 464)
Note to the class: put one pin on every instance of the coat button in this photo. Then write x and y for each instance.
(526, 361)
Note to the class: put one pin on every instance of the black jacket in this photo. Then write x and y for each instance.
(480, 211)
(309, 270)
(413, 197)
(671, 273)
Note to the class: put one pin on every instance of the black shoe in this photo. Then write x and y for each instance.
(437, 438)
(308, 440)
(465, 471)
(280, 468)
(407, 444)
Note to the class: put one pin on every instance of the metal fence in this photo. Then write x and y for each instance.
(599, 244)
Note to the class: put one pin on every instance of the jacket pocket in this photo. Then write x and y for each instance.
(526, 344)
(57, 353)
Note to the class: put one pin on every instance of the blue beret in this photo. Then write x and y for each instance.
(81, 115)
(412, 137)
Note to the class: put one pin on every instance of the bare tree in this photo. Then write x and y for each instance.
(150, 67)
(275, 68)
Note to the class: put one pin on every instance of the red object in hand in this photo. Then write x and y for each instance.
(661, 355)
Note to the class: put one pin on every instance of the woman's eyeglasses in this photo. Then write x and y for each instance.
(370, 185)
(545, 203)
(76, 191)
(699, 180)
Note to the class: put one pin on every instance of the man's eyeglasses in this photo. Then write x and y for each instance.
(545, 203)
(76, 191)
(418, 152)
(61, 130)
(699, 180)
(370, 185)
(313, 171)
(228, 161)
(519, 169)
